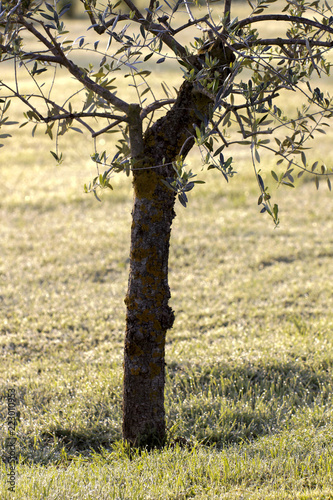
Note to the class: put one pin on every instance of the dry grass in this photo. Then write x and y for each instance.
(249, 360)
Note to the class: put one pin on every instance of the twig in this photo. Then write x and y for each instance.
(280, 42)
(133, 8)
(190, 23)
(155, 105)
(108, 127)
(283, 17)
(226, 13)
(150, 11)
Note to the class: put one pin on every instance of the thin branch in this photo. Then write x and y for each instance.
(32, 76)
(190, 23)
(190, 15)
(280, 42)
(214, 29)
(13, 9)
(155, 105)
(55, 48)
(133, 8)
(168, 39)
(283, 17)
(219, 133)
(235, 108)
(30, 27)
(227, 9)
(150, 11)
(52, 103)
(83, 114)
(282, 124)
(278, 74)
(33, 56)
(292, 162)
(158, 30)
(189, 139)
(240, 123)
(101, 28)
(23, 99)
(107, 128)
(92, 18)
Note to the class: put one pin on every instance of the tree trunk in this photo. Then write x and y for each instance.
(148, 313)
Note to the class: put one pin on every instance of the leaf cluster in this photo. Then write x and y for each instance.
(182, 182)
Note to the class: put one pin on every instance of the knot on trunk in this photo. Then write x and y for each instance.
(167, 318)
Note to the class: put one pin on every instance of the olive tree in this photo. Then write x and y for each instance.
(234, 80)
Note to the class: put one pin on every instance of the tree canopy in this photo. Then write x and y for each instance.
(242, 74)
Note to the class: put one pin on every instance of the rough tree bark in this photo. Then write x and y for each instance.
(148, 314)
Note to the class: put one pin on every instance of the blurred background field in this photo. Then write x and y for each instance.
(249, 360)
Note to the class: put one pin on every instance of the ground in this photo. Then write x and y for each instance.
(249, 359)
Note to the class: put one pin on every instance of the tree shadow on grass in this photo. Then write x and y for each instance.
(231, 403)
(56, 435)
(62, 445)
(223, 404)
(78, 441)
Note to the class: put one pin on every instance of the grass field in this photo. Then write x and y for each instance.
(249, 360)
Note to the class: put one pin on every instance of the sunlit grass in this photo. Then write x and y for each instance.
(249, 360)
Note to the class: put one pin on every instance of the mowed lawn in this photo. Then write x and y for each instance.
(249, 359)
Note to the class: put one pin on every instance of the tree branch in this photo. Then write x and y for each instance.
(133, 8)
(49, 101)
(79, 74)
(227, 9)
(32, 55)
(158, 30)
(154, 106)
(280, 42)
(150, 11)
(108, 127)
(83, 114)
(190, 23)
(283, 17)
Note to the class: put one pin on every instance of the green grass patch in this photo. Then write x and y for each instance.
(249, 360)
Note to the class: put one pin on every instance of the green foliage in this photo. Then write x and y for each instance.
(183, 183)
(245, 74)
